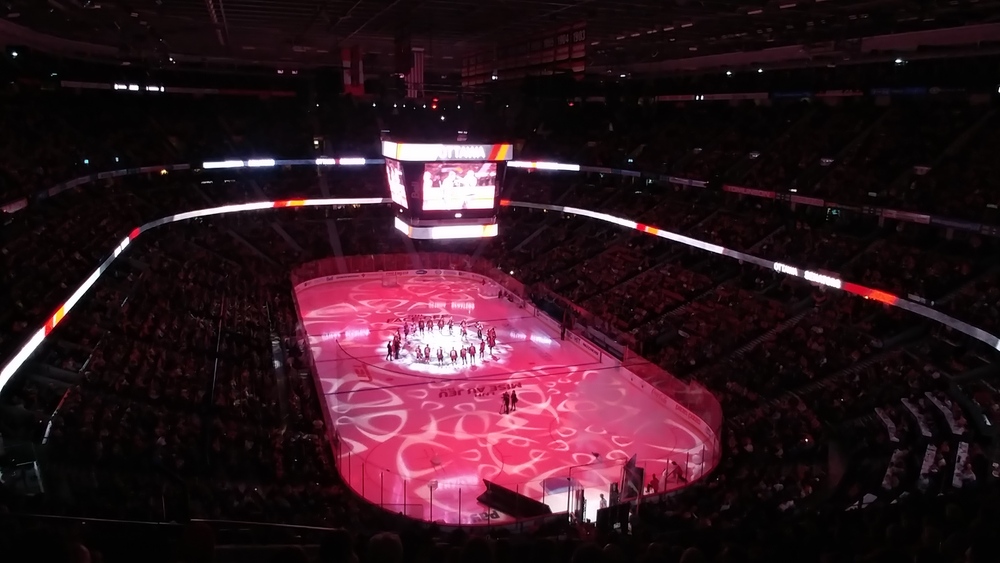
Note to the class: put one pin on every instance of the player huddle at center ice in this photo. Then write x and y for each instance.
(424, 324)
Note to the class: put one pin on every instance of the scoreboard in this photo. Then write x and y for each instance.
(445, 191)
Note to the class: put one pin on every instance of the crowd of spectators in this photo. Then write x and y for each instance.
(158, 398)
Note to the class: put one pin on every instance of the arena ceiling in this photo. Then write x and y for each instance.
(619, 32)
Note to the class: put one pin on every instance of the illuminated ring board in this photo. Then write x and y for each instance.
(436, 152)
(504, 151)
(825, 279)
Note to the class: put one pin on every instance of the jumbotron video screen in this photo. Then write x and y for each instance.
(397, 189)
(445, 190)
(456, 186)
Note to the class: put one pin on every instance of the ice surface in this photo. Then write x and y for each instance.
(419, 437)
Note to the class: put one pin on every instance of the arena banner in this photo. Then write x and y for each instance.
(748, 191)
(840, 94)
(685, 181)
(905, 216)
(598, 169)
(814, 201)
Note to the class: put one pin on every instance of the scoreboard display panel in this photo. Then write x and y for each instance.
(397, 190)
(455, 186)
(446, 191)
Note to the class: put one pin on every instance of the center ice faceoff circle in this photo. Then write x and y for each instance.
(420, 433)
(439, 343)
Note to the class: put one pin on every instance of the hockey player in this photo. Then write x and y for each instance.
(472, 353)
(463, 352)
(454, 356)
(440, 356)
(427, 353)
(482, 349)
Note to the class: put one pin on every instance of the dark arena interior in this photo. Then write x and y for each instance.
(419, 281)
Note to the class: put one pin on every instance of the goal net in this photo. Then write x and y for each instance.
(389, 279)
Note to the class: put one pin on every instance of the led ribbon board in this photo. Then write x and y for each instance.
(445, 232)
(824, 279)
(418, 152)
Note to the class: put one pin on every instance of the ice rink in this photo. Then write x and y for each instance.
(419, 437)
